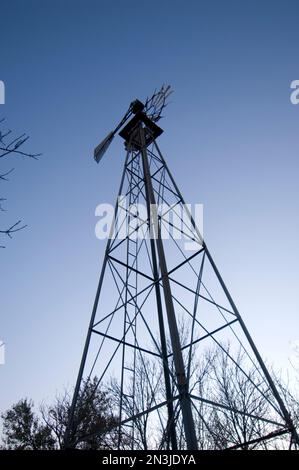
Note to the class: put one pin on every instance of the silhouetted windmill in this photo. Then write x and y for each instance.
(158, 309)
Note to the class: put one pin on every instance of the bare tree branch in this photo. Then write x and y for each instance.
(3, 176)
(10, 147)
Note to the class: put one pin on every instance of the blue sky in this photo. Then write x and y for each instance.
(231, 139)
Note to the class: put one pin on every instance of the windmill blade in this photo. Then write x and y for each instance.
(103, 146)
(157, 102)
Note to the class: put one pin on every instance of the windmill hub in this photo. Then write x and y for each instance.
(137, 106)
(130, 133)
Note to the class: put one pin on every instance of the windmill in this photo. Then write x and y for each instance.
(158, 308)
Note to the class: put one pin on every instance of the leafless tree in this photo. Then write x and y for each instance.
(289, 390)
(147, 390)
(12, 146)
(243, 412)
(243, 416)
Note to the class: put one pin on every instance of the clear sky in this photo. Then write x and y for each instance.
(71, 69)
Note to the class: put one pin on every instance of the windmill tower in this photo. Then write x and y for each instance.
(162, 312)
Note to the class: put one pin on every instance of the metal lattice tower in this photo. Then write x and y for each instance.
(159, 308)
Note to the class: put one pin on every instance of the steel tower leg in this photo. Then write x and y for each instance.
(170, 432)
(171, 422)
(182, 383)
